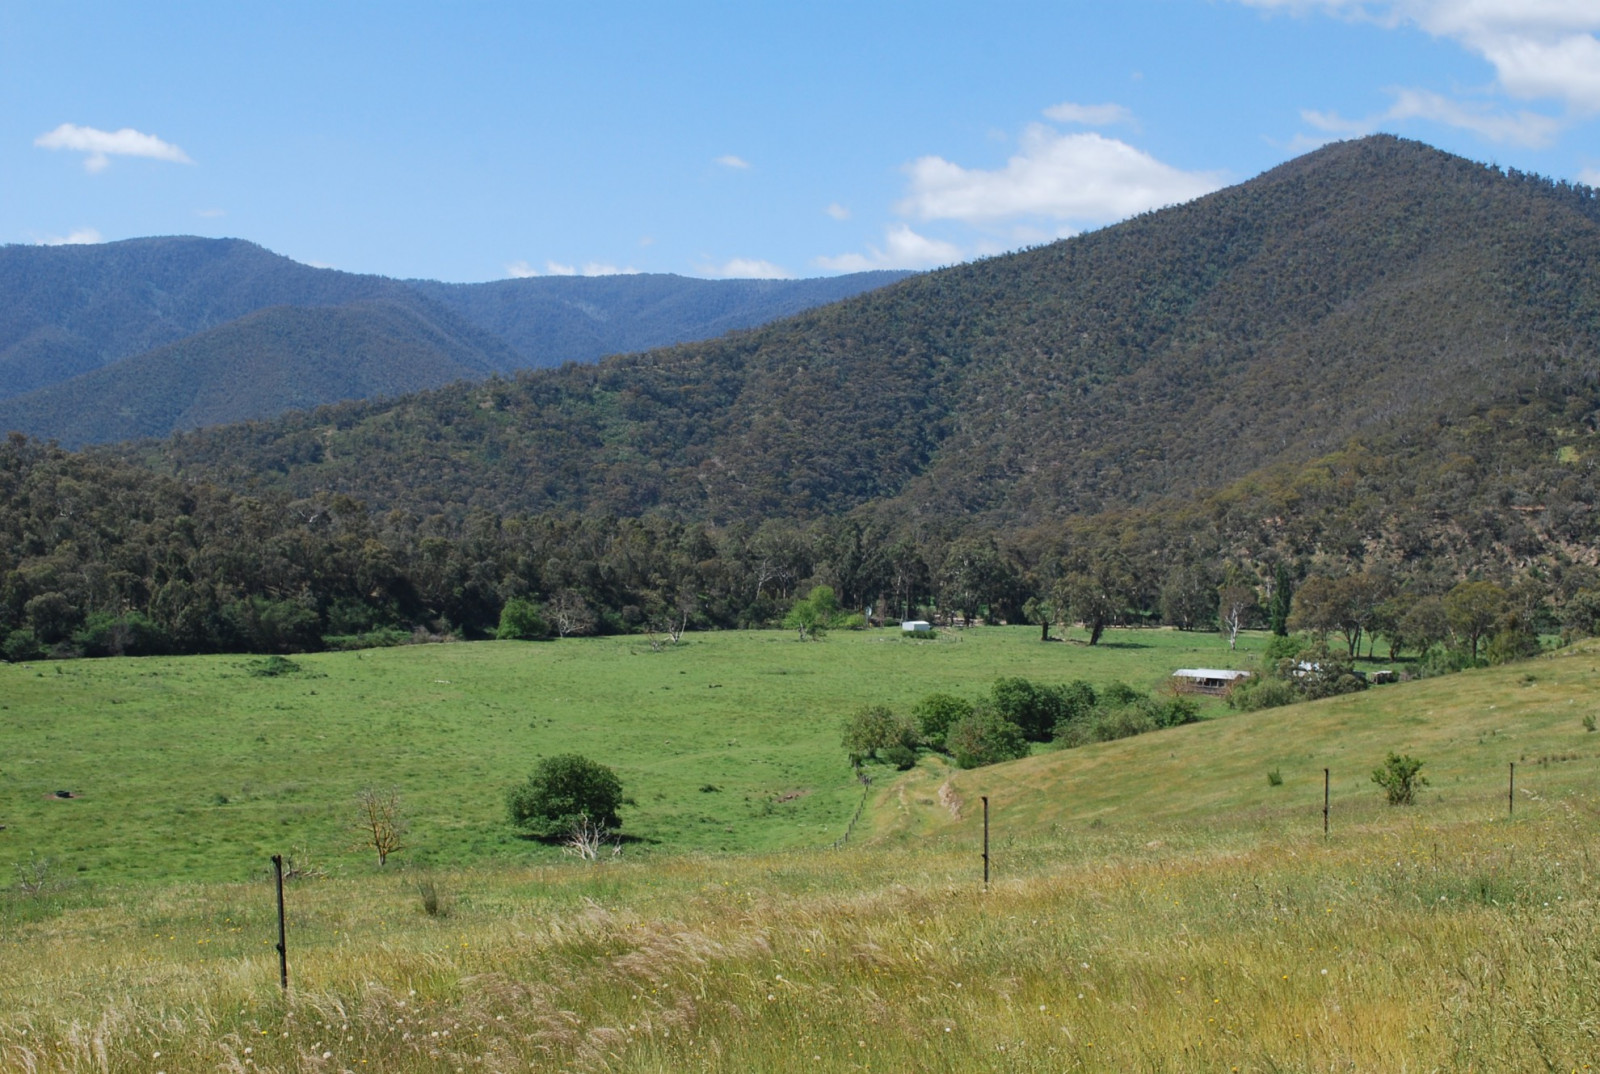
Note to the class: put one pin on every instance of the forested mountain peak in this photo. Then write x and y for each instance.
(1367, 288)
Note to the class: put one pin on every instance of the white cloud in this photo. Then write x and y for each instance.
(521, 270)
(1082, 177)
(731, 161)
(745, 268)
(1089, 115)
(101, 146)
(1540, 49)
(1590, 177)
(903, 248)
(83, 236)
(211, 214)
(1516, 128)
(837, 211)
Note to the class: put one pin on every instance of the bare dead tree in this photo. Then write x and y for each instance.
(1234, 607)
(570, 613)
(379, 822)
(588, 838)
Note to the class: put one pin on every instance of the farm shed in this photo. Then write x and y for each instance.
(916, 626)
(1215, 681)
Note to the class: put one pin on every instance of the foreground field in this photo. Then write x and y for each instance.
(195, 768)
(1154, 907)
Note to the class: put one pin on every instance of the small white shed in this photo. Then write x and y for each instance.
(916, 626)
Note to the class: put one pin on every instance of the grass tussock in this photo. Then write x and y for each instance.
(1470, 945)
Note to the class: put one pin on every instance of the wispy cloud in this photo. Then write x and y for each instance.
(837, 211)
(1539, 49)
(902, 248)
(1088, 115)
(211, 214)
(747, 268)
(1083, 177)
(83, 236)
(1483, 119)
(731, 161)
(100, 146)
(1590, 177)
(522, 269)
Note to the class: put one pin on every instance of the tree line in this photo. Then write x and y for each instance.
(99, 557)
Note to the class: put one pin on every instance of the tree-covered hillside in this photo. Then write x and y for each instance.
(260, 365)
(1373, 288)
(1371, 373)
(185, 315)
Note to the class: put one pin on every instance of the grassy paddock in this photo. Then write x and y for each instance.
(1400, 944)
(1157, 905)
(194, 768)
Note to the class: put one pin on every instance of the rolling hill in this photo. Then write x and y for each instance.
(69, 313)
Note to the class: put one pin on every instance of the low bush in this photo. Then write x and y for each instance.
(936, 713)
(984, 738)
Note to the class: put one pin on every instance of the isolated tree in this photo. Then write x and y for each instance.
(814, 613)
(1236, 602)
(1473, 610)
(562, 792)
(1042, 611)
(1400, 777)
(1098, 596)
(379, 822)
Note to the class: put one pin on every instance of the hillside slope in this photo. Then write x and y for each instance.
(68, 311)
(548, 320)
(260, 365)
(1372, 288)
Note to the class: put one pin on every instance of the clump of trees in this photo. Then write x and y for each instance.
(1005, 723)
(565, 795)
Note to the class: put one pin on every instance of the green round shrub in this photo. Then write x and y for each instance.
(562, 791)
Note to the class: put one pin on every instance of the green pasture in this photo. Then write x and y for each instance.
(194, 768)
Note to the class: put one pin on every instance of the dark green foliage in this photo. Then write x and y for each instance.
(561, 791)
(1034, 708)
(874, 729)
(520, 620)
(1296, 669)
(984, 738)
(1401, 778)
(22, 644)
(1262, 692)
(903, 757)
(1282, 601)
(935, 714)
(1274, 777)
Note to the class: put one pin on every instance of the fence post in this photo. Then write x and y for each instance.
(1324, 803)
(1511, 791)
(985, 842)
(283, 947)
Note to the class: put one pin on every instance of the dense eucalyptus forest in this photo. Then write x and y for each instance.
(1369, 377)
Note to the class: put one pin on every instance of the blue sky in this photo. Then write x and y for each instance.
(474, 141)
